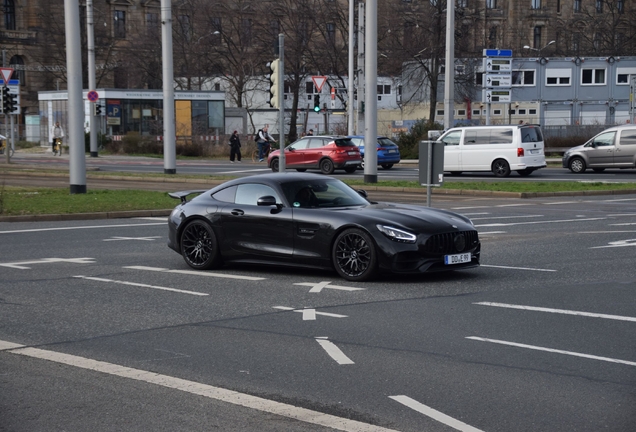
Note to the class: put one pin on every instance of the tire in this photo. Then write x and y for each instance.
(525, 172)
(301, 169)
(350, 169)
(577, 165)
(326, 166)
(354, 256)
(199, 246)
(387, 166)
(500, 168)
(275, 165)
(598, 169)
(456, 173)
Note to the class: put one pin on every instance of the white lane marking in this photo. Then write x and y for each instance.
(5, 345)
(333, 351)
(539, 222)
(242, 171)
(333, 315)
(22, 265)
(80, 227)
(208, 391)
(133, 238)
(196, 273)
(153, 218)
(623, 224)
(557, 311)
(518, 268)
(475, 214)
(552, 350)
(318, 287)
(434, 414)
(507, 217)
(560, 202)
(619, 243)
(481, 233)
(142, 285)
(622, 214)
(615, 200)
(472, 207)
(513, 205)
(606, 232)
(309, 314)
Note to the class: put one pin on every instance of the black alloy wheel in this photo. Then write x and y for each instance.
(500, 168)
(354, 256)
(326, 166)
(199, 247)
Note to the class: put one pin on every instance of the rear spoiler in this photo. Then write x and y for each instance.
(183, 195)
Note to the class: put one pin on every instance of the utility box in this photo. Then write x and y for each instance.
(431, 163)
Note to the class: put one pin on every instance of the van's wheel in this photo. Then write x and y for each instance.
(326, 166)
(525, 172)
(275, 165)
(500, 168)
(577, 165)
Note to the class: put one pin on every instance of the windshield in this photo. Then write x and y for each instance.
(531, 134)
(319, 193)
(385, 142)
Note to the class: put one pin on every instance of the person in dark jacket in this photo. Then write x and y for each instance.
(235, 147)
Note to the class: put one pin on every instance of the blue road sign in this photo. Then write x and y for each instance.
(498, 53)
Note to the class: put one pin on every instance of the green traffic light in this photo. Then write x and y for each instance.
(317, 109)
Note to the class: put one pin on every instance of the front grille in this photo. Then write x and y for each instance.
(449, 243)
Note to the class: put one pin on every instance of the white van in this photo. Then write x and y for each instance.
(499, 149)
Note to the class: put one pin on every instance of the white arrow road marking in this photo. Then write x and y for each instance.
(141, 285)
(193, 387)
(306, 313)
(620, 243)
(333, 351)
(538, 348)
(133, 238)
(557, 311)
(317, 287)
(22, 265)
(434, 414)
(196, 273)
(518, 268)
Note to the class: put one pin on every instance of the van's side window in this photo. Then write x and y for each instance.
(488, 136)
(452, 138)
(628, 137)
(604, 140)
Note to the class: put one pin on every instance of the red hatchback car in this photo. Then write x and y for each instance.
(326, 153)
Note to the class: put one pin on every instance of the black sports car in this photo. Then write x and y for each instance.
(314, 221)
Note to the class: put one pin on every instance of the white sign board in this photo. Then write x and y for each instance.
(498, 65)
(497, 80)
(497, 96)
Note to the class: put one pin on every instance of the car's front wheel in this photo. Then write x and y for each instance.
(354, 256)
(577, 165)
(199, 246)
(275, 165)
(326, 166)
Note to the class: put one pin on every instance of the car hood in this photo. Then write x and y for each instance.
(414, 217)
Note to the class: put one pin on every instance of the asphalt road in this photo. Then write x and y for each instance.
(121, 335)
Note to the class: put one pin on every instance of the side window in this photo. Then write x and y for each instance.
(300, 145)
(250, 193)
(482, 136)
(316, 143)
(357, 141)
(605, 140)
(225, 195)
(628, 137)
(452, 138)
(501, 136)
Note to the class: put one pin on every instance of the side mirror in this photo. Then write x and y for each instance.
(362, 193)
(266, 201)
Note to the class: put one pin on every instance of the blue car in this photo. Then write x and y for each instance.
(388, 151)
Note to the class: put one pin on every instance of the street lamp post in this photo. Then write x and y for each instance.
(542, 62)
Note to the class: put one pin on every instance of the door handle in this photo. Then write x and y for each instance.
(237, 212)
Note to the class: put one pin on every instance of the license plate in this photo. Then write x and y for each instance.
(536, 151)
(457, 259)
(352, 153)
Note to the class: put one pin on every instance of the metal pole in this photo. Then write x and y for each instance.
(281, 101)
(632, 94)
(360, 116)
(371, 93)
(90, 42)
(4, 64)
(429, 171)
(449, 81)
(75, 132)
(169, 133)
(351, 72)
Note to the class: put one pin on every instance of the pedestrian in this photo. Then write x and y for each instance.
(56, 133)
(311, 132)
(235, 147)
(263, 141)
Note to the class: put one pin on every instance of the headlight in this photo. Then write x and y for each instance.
(397, 234)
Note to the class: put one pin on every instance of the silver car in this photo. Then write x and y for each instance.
(613, 148)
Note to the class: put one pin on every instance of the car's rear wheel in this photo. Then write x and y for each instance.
(387, 166)
(577, 165)
(199, 246)
(350, 169)
(301, 169)
(500, 168)
(525, 172)
(326, 166)
(275, 165)
(354, 256)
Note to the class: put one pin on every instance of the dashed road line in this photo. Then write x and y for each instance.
(196, 273)
(310, 314)
(153, 238)
(141, 285)
(333, 351)
(319, 286)
(540, 222)
(518, 268)
(434, 414)
(557, 311)
(80, 227)
(22, 265)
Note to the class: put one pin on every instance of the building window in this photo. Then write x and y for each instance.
(215, 26)
(476, 112)
(577, 5)
(523, 77)
(492, 37)
(491, 4)
(119, 24)
(439, 112)
(246, 31)
(461, 112)
(535, 4)
(152, 22)
(185, 26)
(599, 6)
(496, 112)
(537, 37)
(521, 111)
(384, 89)
(9, 14)
(592, 76)
(558, 6)
(620, 6)
(622, 79)
(558, 77)
(462, 3)
(309, 88)
(331, 33)
(479, 78)
(17, 63)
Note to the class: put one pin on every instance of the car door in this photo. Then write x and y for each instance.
(601, 151)
(315, 151)
(625, 153)
(452, 151)
(256, 232)
(295, 153)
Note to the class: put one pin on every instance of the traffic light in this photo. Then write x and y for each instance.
(316, 103)
(97, 109)
(2, 93)
(8, 101)
(274, 89)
